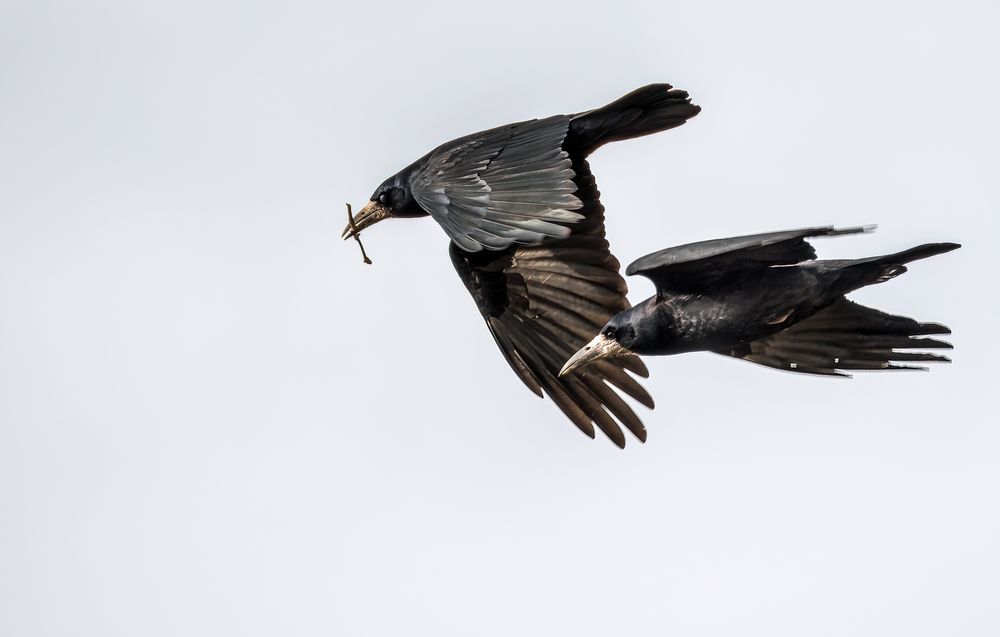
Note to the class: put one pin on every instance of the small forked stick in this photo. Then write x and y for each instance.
(357, 235)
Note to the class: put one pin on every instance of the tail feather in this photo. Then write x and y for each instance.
(847, 336)
(650, 109)
(852, 274)
(919, 252)
(891, 265)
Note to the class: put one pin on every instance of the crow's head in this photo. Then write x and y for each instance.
(616, 340)
(391, 199)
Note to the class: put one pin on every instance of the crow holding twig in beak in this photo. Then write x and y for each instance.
(527, 238)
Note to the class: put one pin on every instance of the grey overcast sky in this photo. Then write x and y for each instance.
(214, 420)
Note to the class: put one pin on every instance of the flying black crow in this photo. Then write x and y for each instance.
(527, 238)
(764, 298)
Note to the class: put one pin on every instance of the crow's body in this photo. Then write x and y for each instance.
(741, 311)
(765, 299)
(526, 224)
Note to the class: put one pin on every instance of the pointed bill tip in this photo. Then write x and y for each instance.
(601, 347)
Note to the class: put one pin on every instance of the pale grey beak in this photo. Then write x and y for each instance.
(601, 347)
(372, 213)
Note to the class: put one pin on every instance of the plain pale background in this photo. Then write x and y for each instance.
(217, 421)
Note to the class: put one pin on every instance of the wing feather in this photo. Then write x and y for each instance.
(846, 336)
(695, 268)
(544, 302)
(509, 185)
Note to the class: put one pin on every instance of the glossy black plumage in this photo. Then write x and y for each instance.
(527, 228)
(543, 302)
(766, 299)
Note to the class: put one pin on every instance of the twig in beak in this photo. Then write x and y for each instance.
(357, 235)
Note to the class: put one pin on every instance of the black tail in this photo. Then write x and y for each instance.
(847, 336)
(644, 111)
(913, 254)
(852, 274)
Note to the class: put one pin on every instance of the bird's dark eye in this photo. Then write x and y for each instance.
(383, 198)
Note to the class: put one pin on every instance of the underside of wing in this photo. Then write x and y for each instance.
(511, 185)
(542, 303)
(695, 267)
(847, 336)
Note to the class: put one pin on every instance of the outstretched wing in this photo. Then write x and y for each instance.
(505, 186)
(513, 185)
(696, 267)
(542, 303)
(847, 336)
